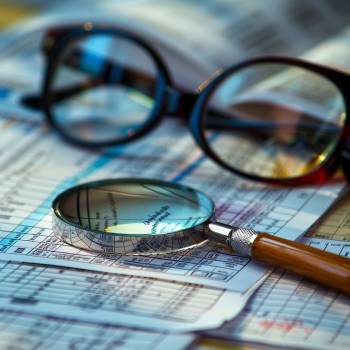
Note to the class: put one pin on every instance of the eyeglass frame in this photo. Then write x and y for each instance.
(191, 106)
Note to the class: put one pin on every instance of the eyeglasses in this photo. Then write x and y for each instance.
(278, 120)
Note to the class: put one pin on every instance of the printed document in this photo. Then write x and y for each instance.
(115, 299)
(56, 333)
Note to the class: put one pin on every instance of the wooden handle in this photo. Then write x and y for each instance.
(326, 268)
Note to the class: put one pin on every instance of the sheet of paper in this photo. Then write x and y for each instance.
(115, 299)
(21, 330)
(336, 224)
(333, 246)
(290, 311)
(36, 168)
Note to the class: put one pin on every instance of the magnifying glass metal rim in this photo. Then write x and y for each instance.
(136, 181)
(119, 243)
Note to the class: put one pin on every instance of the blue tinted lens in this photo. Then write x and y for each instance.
(103, 89)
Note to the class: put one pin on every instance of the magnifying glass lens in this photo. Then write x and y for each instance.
(110, 211)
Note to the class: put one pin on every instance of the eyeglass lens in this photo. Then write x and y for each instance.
(103, 88)
(274, 120)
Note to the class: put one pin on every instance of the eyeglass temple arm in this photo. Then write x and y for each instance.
(236, 119)
(110, 73)
(35, 101)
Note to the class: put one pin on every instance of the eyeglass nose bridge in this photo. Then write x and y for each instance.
(178, 103)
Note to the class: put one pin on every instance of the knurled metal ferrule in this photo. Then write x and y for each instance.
(241, 240)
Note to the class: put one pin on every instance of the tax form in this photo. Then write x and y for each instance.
(42, 332)
(290, 311)
(336, 224)
(115, 299)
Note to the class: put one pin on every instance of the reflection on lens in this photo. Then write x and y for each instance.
(274, 120)
(102, 89)
(134, 207)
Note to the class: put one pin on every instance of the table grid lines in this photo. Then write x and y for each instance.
(109, 292)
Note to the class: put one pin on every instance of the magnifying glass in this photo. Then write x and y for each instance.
(145, 216)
